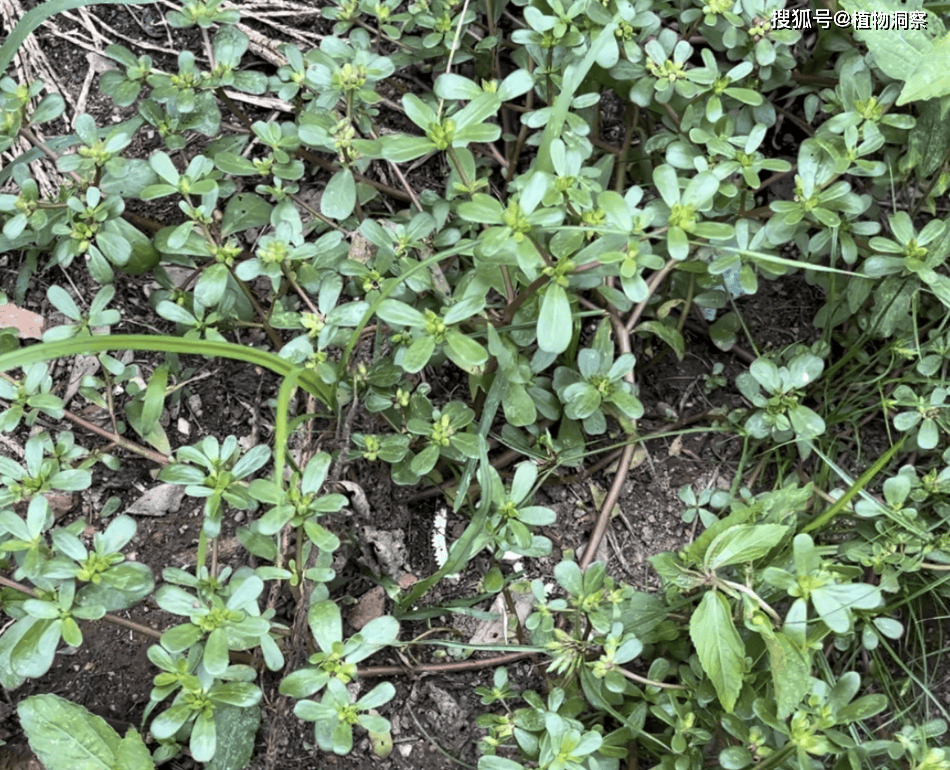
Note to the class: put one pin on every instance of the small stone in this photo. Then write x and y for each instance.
(370, 606)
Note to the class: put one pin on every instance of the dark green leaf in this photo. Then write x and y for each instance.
(244, 210)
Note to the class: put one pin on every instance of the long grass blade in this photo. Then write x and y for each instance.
(33, 18)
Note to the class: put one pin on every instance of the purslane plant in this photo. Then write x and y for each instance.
(518, 274)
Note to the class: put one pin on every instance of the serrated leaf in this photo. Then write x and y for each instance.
(720, 650)
(669, 334)
(744, 543)
(65, 736)
(236, 729)
(132, 753)
(791, 672)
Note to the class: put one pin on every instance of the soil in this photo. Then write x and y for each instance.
(433, 716)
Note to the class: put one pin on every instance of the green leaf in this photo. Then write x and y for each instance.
(518, 406)
(236, 729)
(154, 403)
(677, 242)
(425, 461)
(939, 285)
(735, 758)
(766, 373)
(33, 654)
(571, 80)
(380, 694)
(743, 543)
(465, 352)
(399, 149)
(8, 642)
(928, 436)
(211, 286)
(50, 107)
(132, 753)
(419, 112)
(804, 369)
(204, 738)
(569, 575)
(325, 623)
(452, 86)
(229, 45)
(114, 244)
(863, 708)
(482, 208)
(163, 166)
(806, 423)
(33, 18)
(931, 78)
(67, 737)
(392, 311)
(897, 52)
(63, 302)
(250, 81)
(475, 113)
(555, 322)
(720, 650)
(339, 197)
(232, 163)
(699, 191)
(667, 184)
(216, 652)
(303, 682)
(834, 603)
(669, 334)
(245, 210)
(581, 400)
(251, 461)
(790, 668)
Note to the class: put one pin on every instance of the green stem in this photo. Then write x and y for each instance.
(201, 557)
(778, 758)
(47, 351)
(856, 487)
(458, 166)
(384, 294)
(752, 595)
